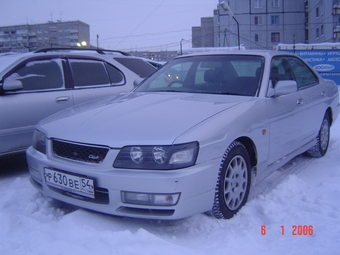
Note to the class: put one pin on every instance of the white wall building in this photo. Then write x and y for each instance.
(30, 37)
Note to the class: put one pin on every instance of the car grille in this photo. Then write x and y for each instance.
(79, 152)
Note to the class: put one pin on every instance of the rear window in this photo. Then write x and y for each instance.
(138, 66)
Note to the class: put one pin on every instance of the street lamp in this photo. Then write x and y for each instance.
(226, 7)
(181, 46)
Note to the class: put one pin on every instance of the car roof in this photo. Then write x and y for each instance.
(100, 53)
(82, 50)
(7, 61)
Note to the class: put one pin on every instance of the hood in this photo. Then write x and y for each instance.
(136, 118)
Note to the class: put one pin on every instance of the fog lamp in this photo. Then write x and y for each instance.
(150, 199)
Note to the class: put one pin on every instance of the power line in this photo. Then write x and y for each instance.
(141, 22)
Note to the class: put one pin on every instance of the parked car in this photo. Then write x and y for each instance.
(36, 85)
(196, 143)
(157, 64)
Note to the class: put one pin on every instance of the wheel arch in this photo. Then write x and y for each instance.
(330, 114)
(251, 148)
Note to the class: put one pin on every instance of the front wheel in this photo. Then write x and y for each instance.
(321, 146)
(233, 182)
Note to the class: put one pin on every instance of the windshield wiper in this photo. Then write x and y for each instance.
(172, 90)
(226, 93)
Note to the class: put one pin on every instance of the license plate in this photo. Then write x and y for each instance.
(71, 183)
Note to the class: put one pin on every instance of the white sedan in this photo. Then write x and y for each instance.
(34, 85)
(192, 138)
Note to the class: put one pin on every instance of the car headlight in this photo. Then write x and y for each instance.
(39, 141)
(157, 157)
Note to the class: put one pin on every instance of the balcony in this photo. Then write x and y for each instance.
(4, 39)
(337, 29)
(336, 9)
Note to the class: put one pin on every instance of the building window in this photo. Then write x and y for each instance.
(258, 37)
(258, 3)
(317, 12)
(275, 3)
(258, 20)
(322, 30)
(275, 20)
(275, 37)
(317, 33)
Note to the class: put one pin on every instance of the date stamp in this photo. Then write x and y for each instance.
(295, 230)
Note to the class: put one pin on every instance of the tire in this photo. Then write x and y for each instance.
(233, 182)
(321, 146)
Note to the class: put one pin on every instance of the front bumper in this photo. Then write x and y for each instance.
(195, 186)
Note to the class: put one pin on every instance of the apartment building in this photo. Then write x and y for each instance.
(30, 37)
(203, 36)
(262, 24)
(323, 21)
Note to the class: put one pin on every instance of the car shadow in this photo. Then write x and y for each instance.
(15, 164)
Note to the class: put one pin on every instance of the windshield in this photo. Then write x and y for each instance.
(138, 66)
(217, 74)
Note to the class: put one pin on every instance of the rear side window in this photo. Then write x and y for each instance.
(40, 75)
(116, 77)
(303, 74)
(94, 73)
(138, 66)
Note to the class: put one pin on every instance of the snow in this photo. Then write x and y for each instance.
(304, 194)
(307, 46)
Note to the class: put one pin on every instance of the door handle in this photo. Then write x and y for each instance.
(62, 99)
(299, 101)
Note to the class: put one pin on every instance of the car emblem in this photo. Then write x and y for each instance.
(95, 157)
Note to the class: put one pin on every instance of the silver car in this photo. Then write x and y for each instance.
(192, 138)
(36, 85)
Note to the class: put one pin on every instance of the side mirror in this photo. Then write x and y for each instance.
(11, 83)
(283, 88)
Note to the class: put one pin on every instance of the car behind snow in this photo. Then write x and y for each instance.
(194, 137)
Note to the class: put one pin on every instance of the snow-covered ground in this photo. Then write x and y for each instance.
(294, 211)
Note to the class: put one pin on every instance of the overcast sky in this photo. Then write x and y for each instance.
(120, 24)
